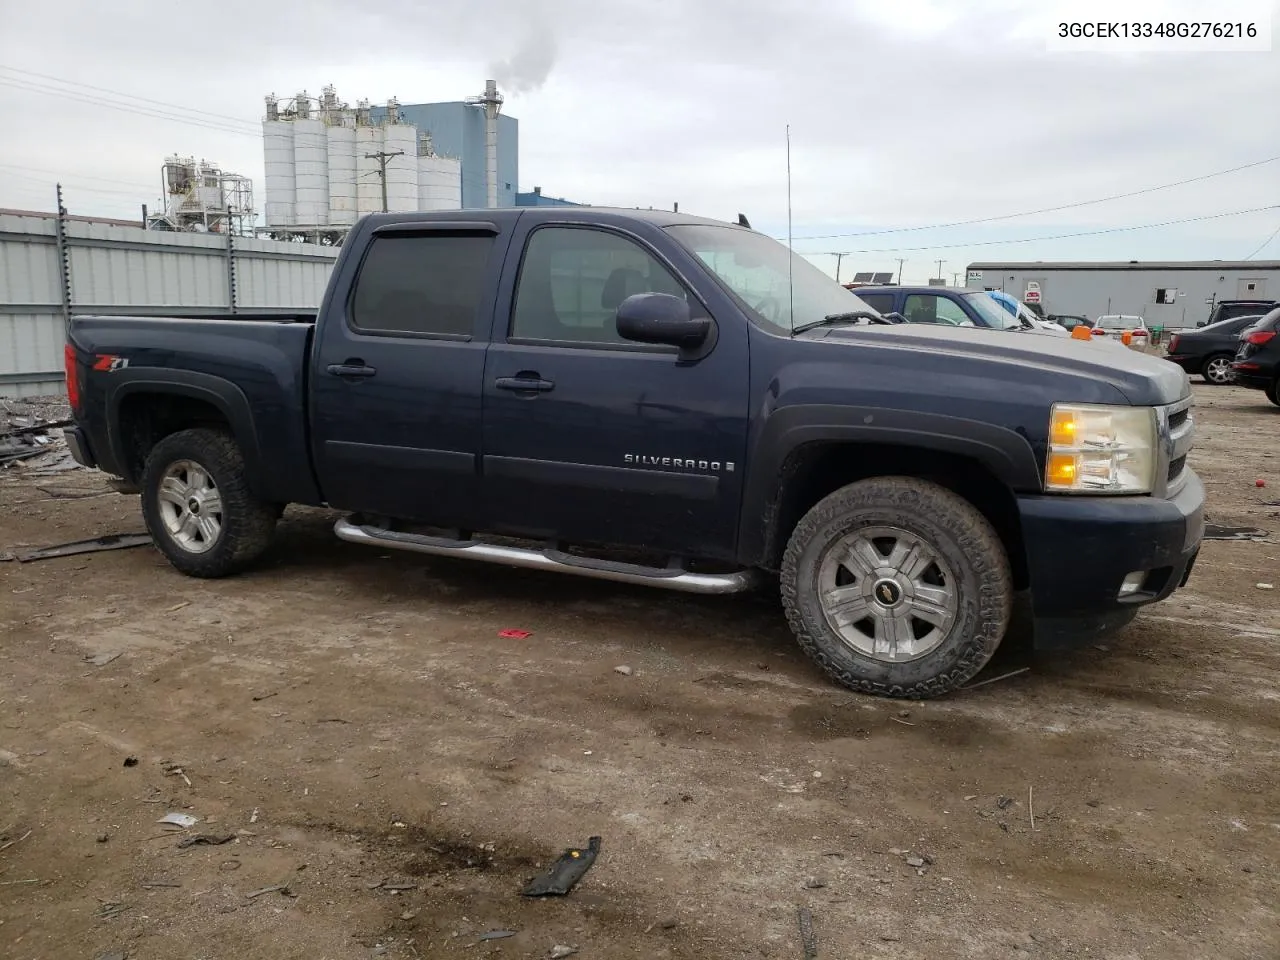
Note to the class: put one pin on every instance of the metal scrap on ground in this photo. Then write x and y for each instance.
(113, 541)
(564, 874)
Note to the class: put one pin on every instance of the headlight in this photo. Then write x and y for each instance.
(1099, 449)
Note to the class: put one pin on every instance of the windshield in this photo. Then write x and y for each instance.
(755, 268)
(990, 311)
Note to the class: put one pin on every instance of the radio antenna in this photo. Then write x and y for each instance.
(791, 254)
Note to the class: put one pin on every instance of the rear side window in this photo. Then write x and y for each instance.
(421, 284)
(879, 302)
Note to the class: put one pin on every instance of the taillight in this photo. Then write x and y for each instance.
(1260, 337)
(1173, 344)
(73, 376)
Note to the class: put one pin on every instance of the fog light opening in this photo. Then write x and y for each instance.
(1132, 583)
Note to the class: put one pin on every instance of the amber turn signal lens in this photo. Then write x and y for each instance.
(1063, 431)
(1062, 469)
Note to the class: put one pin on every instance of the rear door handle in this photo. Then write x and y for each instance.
(351, 370)
(522, 384)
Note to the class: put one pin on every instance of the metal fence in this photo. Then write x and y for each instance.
(53, 266)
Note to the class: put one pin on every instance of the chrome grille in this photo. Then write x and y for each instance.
(1177, 431)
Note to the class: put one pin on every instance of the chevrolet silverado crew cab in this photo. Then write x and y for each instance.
(660, 399)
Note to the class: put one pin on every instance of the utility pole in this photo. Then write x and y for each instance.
(839, 259)
(955, 279)
(901, 261)
(939, 273)
(382, 157)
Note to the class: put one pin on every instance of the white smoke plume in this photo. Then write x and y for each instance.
(527, 69)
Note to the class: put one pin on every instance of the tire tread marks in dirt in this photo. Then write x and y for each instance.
(247, 523)
(957, 530)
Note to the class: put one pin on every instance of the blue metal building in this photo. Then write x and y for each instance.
(457, 130)
(536, 198)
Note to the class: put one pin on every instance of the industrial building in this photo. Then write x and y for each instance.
(1171, 294)
(536, 198)
(200, 197)
(328, 164)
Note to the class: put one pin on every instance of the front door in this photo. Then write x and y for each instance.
(397, 376)
(591, 439)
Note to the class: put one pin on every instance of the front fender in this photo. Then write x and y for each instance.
(1005, 453)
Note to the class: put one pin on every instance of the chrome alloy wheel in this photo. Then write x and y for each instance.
(1218, 370)
(191, 506)
(887, 594)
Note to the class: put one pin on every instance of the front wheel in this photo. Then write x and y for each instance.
(1217, 370)
(198, 506)
(898, 587)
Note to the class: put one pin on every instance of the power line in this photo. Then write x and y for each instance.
(130, 96)
(1068, 236)
(1275, 233)
(1031, 213)
(72, 176)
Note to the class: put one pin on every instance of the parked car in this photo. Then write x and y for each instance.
(1228, 309)
(1069, 321)
(660, 399)
(949, 306)
(1257, 362)
(1209, 350)
(1116, 325)
(1024, 313)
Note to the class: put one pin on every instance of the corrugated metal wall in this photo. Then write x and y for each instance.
(127, 270)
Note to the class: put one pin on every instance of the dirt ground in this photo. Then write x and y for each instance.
(356, 723)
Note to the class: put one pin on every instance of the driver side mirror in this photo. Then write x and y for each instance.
(1202, 323)
(660, 318)
(894, 317)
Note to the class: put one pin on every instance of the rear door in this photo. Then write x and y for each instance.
(592, 439)
(398, 370)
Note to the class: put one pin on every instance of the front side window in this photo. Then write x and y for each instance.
(990, 312)
(932, 308)
(421, 284)
(573, 279)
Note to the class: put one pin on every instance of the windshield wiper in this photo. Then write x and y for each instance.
(832, 319)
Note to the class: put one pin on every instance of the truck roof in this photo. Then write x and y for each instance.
(659, 218)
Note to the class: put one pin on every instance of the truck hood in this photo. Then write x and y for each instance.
(1141, 379)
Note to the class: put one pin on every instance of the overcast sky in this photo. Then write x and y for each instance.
(934, 113)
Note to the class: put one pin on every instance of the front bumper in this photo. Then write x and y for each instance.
(1080, 549)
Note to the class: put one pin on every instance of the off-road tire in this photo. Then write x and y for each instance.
(1204, 370)
(958, 533)
(247, 523)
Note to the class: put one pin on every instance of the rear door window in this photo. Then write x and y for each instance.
(421, 285)
(879, 302)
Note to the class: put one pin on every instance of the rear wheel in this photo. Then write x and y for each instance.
(1273, 392)
(1217, 370)
(198, 507)
(897, 586)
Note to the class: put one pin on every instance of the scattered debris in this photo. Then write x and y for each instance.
(815, 883)
(103, 837)
(669, 924)
(972, 796)
(1259, 482)
(265, 696)
(114, 541)
(515, 634)
(905, 723)
(561, 877)
(1003, 676)
(408, 915)
(1031, 807)
(1216, 531)
(917, 862)
(176, 770)
(1004, 803)
(808, 940)
(560, 951)
(624, 670)
(229, 866)
(398, 887)
(178, 606)
(12, 883)
(496, 935)
(253, 817)
(281, 888)
(130, 761)
(150, 884)
(1265, 586)
(179, 819)
(206, 840)
(1093, 803)
(110, 909)
(12, 842)
(101, 659)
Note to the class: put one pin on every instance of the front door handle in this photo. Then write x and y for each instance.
(533, 384)
(351, 369)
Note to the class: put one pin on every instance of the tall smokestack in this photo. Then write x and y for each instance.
(492, 102)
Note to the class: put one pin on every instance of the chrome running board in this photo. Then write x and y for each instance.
(671, 578)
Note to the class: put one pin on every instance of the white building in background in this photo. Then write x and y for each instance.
(325, 163)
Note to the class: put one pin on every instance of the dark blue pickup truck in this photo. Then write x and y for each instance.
(661, 399)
